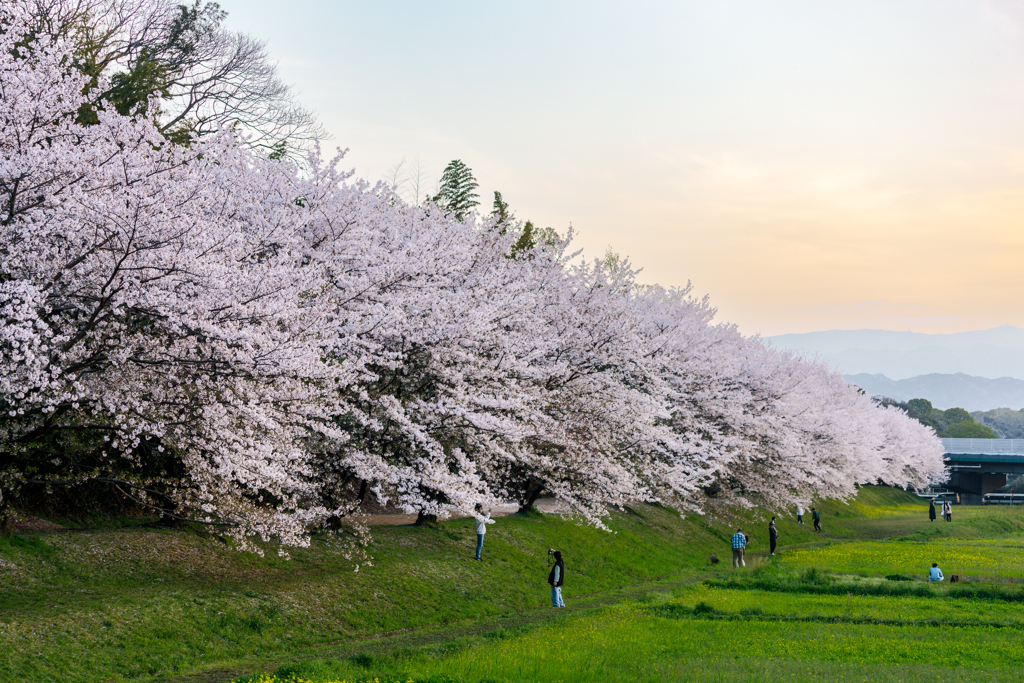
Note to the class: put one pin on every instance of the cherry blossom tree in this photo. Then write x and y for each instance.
(154, 301)
(234, 342)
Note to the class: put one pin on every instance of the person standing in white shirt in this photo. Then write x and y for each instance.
(482, 521)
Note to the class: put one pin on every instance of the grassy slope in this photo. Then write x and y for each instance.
(124, 604)
(120, 603)
(782, 621)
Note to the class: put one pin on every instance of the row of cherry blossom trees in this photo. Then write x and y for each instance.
(231, 341)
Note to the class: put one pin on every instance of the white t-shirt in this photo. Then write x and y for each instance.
(482, 521)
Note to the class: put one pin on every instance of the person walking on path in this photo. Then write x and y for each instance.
(931, 510)
(556, 578)
(799, 513)
(773, 535)
(935, 574)
(482, 521)
(816, 517)
(739, 544)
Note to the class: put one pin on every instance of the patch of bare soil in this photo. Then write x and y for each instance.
(398, 518)
(22, 523)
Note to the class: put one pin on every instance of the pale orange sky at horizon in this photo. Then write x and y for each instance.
(808, 166)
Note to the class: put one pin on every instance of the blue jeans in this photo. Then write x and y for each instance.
(556, 597)
(479, 544)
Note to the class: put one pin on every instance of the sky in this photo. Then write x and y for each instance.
(808, 165)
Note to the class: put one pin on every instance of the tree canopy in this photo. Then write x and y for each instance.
(178, 65)
(953, 422)
(232, 342)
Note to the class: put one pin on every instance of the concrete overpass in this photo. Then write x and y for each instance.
(980, 466)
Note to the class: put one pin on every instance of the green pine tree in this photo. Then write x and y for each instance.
(456, 195)
(501, 212)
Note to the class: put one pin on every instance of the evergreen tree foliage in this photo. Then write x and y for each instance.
(532, 236)
(457, 195)
(501, 212)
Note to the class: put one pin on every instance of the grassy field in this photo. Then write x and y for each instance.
(724, 637)
(645, 603)
(124, 604)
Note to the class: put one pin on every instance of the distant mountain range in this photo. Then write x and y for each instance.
(997, 352)
(947, 391)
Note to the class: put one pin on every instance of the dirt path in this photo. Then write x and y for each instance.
(28, 524)
(545, 505)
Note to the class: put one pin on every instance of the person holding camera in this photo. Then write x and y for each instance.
(482, 521)
(556, 578)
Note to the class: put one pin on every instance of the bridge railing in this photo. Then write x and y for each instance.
(1015, 446)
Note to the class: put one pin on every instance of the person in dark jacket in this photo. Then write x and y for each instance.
(931, 510)
(556, 578)
(816, 517)
(773, 535)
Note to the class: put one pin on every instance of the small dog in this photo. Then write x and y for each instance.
(714, 559)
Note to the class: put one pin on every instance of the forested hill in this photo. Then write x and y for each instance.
(947, 391)
(1006, 422)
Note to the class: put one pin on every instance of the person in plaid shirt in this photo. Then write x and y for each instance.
(739, 543)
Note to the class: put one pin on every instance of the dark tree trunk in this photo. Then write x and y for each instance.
(423, 518)
(6, 520)
(534, 488)
(169, 508)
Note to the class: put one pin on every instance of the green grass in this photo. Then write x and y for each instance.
(623, 644)
(701, 633)
(634, 643)
(173, 605)
(915, 610)
(139, 604)
(976, 559)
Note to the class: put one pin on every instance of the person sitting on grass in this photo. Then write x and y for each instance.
(935, 574)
